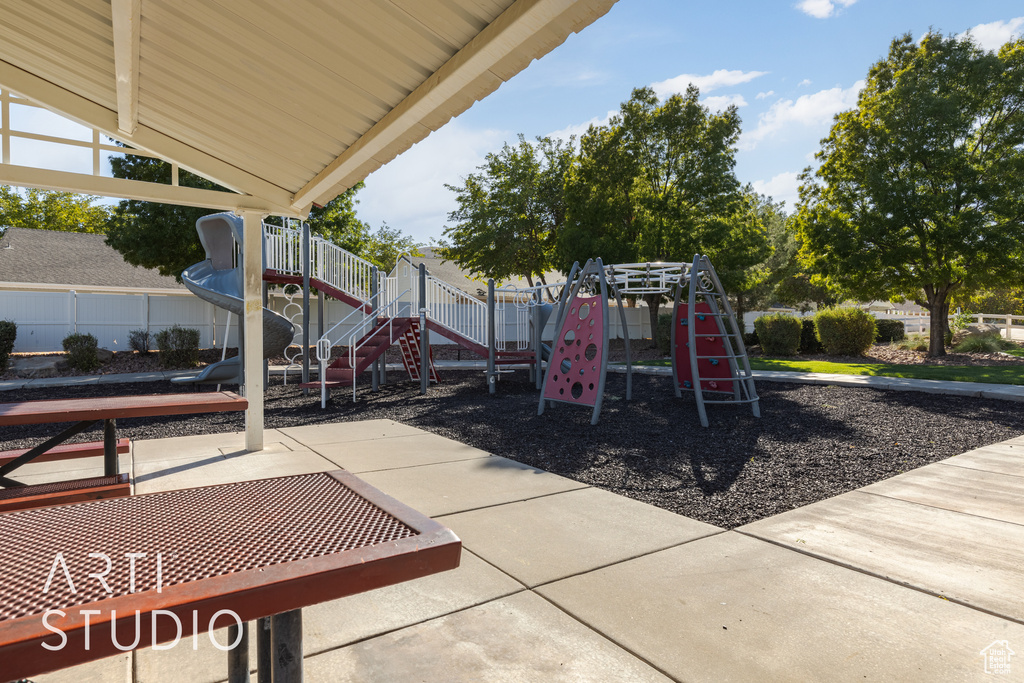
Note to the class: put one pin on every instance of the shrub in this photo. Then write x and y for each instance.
(8, 333)
(915, 343)
(845, 331)
(138, 340)
(750, 339)
(890, 331)
(809, 343)
(988, 343)
(81, 350)
(779, 334)
(179, 347)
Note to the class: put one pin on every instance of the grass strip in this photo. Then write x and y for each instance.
(987, 374)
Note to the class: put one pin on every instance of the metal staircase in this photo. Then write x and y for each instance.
(410, 344)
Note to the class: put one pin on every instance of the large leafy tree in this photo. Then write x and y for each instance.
(163, 236)
(657, 184)
(509, 213)
(920, 192)
(51, 210)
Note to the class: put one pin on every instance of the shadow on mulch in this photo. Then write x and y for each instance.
(811, 443)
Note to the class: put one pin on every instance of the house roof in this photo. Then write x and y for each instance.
(449, 271)
(289, 102)
(76, 259)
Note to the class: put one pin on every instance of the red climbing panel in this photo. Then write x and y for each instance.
(709, 343)
(576, 373)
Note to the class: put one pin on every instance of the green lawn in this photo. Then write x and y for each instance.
(954, 373)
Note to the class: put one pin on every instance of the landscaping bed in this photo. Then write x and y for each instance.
(811, 443)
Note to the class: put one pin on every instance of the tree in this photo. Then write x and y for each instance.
(657, 184)
(384, 246)
(51, 210)
(509, 214)
(163, 236)
(920, 192)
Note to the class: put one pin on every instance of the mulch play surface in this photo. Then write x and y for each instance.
(812, 442)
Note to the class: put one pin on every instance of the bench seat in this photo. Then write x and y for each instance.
(65, 451)
(60, 492)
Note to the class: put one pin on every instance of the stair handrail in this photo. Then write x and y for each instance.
(323, 344)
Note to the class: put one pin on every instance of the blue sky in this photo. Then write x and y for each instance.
(789, 65)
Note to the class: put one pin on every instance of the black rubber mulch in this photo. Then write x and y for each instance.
(812, 442)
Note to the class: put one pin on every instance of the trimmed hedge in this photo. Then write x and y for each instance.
(81, 350)
(179, 347)
(779, 334)
(890, 331)
(845, 331)
(8, 333)
(809, 343)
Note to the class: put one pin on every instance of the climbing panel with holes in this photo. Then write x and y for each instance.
(576, 359)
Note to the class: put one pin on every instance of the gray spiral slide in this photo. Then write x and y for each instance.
(219, 281)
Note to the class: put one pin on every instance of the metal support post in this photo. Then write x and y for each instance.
(238, 656)
(264, 653)
(424, 333)
(306, 267)
(286, 647)
(538, 341)
(492, 377)
(111, 466)
(374, 311)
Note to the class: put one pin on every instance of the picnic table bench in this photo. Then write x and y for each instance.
(205, 558)
(84, 413)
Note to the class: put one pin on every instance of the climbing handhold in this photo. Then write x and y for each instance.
(714, 361)
(687, 384)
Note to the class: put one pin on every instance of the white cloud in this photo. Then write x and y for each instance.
(783, 187)
(808, 110)
(578, 129)
(994, 35)
(720, 102)
(720, 78)
(763, 95)
(822, 9)
(408, 193)
(804, 83)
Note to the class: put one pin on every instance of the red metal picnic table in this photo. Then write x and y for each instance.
(185, 562)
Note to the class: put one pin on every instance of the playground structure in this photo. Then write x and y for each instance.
(707, 350)
(403, 307)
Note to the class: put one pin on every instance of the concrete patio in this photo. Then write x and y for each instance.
(909, 579)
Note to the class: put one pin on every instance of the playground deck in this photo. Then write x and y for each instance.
(908, 579)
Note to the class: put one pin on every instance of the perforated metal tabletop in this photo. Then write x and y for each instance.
(256, 548)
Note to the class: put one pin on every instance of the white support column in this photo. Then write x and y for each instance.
(252, 295)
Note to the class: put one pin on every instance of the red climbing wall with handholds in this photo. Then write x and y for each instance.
(576, 354)
(709, 343)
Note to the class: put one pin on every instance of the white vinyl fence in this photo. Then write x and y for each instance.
(45, 318)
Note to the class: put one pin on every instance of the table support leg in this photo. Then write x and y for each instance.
(28, 455)
(238, 656)
(111, 466)
(287, 647)
(264, 653)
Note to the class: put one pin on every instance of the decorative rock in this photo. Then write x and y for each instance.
(34, 367)
(104, 355)
(976, 330)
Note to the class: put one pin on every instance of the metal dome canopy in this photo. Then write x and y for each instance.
(286, 103)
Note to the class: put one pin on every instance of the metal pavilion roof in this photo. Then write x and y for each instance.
(287, 103)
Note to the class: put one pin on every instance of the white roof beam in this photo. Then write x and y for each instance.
(92, 115)
(46, 179)
(127, 16)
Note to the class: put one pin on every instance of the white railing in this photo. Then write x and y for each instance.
(340, 269)
(282, 249)
(454, 309)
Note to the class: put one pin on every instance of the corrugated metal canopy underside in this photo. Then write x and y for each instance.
(291, 101)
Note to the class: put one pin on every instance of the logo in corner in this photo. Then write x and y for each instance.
(997, 657)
